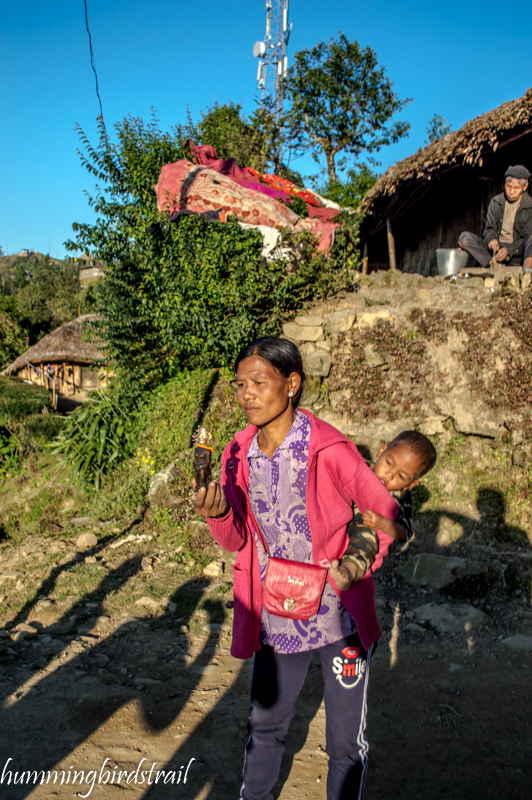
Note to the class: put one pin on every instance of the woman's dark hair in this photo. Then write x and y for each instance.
(280, 354)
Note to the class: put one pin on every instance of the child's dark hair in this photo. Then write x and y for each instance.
(280, 354)
(420, 445)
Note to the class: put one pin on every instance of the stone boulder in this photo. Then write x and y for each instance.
(318, 363)
(302, 333)
(214, 570)
(86, 540)
(449, 618)
(340, 321)
(160, 493)
(518, 642)
(196, 529)
(428, 569)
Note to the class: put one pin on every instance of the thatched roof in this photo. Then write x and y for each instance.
(469, 146)
(64, 344)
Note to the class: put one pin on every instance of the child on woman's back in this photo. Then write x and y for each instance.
(399, 467)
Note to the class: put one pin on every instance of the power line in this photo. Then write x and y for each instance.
(93, 65)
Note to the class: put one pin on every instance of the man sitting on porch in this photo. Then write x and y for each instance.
(508, 228)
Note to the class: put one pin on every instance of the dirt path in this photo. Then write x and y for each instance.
(449, 715)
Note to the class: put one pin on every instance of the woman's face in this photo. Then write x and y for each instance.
(262, 392)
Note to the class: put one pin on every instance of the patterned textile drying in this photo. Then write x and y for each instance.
(323, 214)
(286, 186)
(250, 178)
(323, 230)
(187, 185)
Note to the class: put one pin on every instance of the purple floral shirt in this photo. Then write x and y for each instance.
(277, 491)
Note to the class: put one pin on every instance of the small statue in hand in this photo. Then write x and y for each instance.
(202, 458)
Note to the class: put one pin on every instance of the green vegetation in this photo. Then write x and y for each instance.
(94, 438)
(474, 487)
(179, 300)
(251, 142)
(350, 191)
(341, 101)
(437, 128)
(37, 294)
(26, 422)
(187, 295)
(164, 430)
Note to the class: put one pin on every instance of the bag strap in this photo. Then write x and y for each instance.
(258, 530)
(265, 546)
(263, 541)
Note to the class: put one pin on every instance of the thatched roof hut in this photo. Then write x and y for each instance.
(62, 360)
(426, 200)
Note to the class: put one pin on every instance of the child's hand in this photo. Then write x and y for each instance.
(341, 575)
(371, 520)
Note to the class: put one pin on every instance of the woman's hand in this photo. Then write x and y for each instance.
(211, 502)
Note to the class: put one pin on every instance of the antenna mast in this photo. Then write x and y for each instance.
(271, 53)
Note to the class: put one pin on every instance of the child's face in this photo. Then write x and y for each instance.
(398, 468)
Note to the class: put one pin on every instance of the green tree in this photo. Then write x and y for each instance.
(436, 128)
(185, 295)
(37, 294)
(252, 142)
(226, 128)
(350, 192)
(341, 101)
(50, 297)
(13, 336)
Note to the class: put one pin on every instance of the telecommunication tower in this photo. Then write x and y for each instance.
(271, 53)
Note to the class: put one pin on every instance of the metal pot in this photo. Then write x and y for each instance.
(451, 260)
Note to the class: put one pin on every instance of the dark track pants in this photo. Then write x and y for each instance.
(477, 247)
(277, 681)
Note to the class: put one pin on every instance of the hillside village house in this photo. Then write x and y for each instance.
(426, 201)
(91, 270)
(63, 361)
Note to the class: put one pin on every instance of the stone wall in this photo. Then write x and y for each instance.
(452, 401)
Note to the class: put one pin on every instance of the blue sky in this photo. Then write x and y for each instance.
(457, 59)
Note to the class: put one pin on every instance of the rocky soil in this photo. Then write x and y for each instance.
(437, 352)
(123, 654)
(115, 636)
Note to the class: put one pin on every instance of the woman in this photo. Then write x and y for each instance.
(290, 479)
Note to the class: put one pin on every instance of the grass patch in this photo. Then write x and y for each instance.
(168, 423)
(473, 484)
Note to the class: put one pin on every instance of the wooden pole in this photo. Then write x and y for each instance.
(365, 259)
(391, 243)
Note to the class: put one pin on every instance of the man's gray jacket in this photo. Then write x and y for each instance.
(522, 223)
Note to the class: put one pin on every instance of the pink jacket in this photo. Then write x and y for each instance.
(337, 476)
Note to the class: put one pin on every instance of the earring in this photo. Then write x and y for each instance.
(290, 394)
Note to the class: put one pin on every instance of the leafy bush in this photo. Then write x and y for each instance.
(42, 428)
(13, 337)
(226, 128)
(187, 295)
(23, 425)
(298, 206)
(95, 438)
(18, 399)
(351, 191)
(39, 295)
(166, 425)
